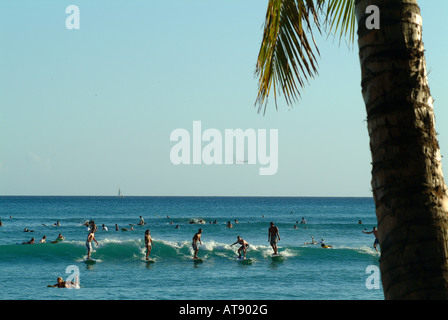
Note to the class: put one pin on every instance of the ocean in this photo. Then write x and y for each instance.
(347, 271)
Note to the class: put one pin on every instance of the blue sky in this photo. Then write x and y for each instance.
(84, 112)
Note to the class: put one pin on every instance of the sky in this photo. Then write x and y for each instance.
(88, 111)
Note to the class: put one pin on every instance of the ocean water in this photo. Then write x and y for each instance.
(305, 272)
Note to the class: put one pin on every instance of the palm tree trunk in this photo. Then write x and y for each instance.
(410, 194)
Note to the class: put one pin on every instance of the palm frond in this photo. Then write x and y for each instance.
(342, 12)
(286, 55)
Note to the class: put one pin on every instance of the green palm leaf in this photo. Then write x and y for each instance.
(343, 14)
(287, 57)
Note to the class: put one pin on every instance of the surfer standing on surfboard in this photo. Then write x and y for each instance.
(244, 246)
(90, 237)
(196, 239)
(148, 243)
(273, 237)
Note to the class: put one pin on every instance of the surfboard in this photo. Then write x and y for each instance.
(198, 260)
(277, 257)
(90, 261)
(149, 261)
(244, 261)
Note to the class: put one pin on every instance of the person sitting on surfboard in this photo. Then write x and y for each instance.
(312, 241)
(196, 239)
(323, 245)
(148, 243)
(141, 222)
(244, 246)
(60, 237)
(90, 237)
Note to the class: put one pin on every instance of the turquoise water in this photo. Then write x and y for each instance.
(305, 271)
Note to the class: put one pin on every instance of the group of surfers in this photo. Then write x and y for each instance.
(273, 238)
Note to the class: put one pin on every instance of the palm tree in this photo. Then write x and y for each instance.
(410, 194)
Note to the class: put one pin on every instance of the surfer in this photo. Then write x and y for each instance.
(273, 237)
(312, 241)
(61, 284)
(141, 222)
(93, 226)
(229, 225)
(43, 239)
(196, 239)
(60, 237)
(32, 241)
(148, 243)
(377, 241)
(244, 246)
(90, 238)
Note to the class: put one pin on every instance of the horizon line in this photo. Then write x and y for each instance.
(188, 196)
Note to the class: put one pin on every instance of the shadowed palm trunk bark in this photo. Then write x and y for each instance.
(410, 194)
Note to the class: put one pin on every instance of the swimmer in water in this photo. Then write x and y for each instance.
(62, 284)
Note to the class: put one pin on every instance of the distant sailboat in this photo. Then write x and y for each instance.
(120, 195)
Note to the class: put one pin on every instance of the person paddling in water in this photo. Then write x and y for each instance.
(90, 238)
(62, 284)
(244, 246)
